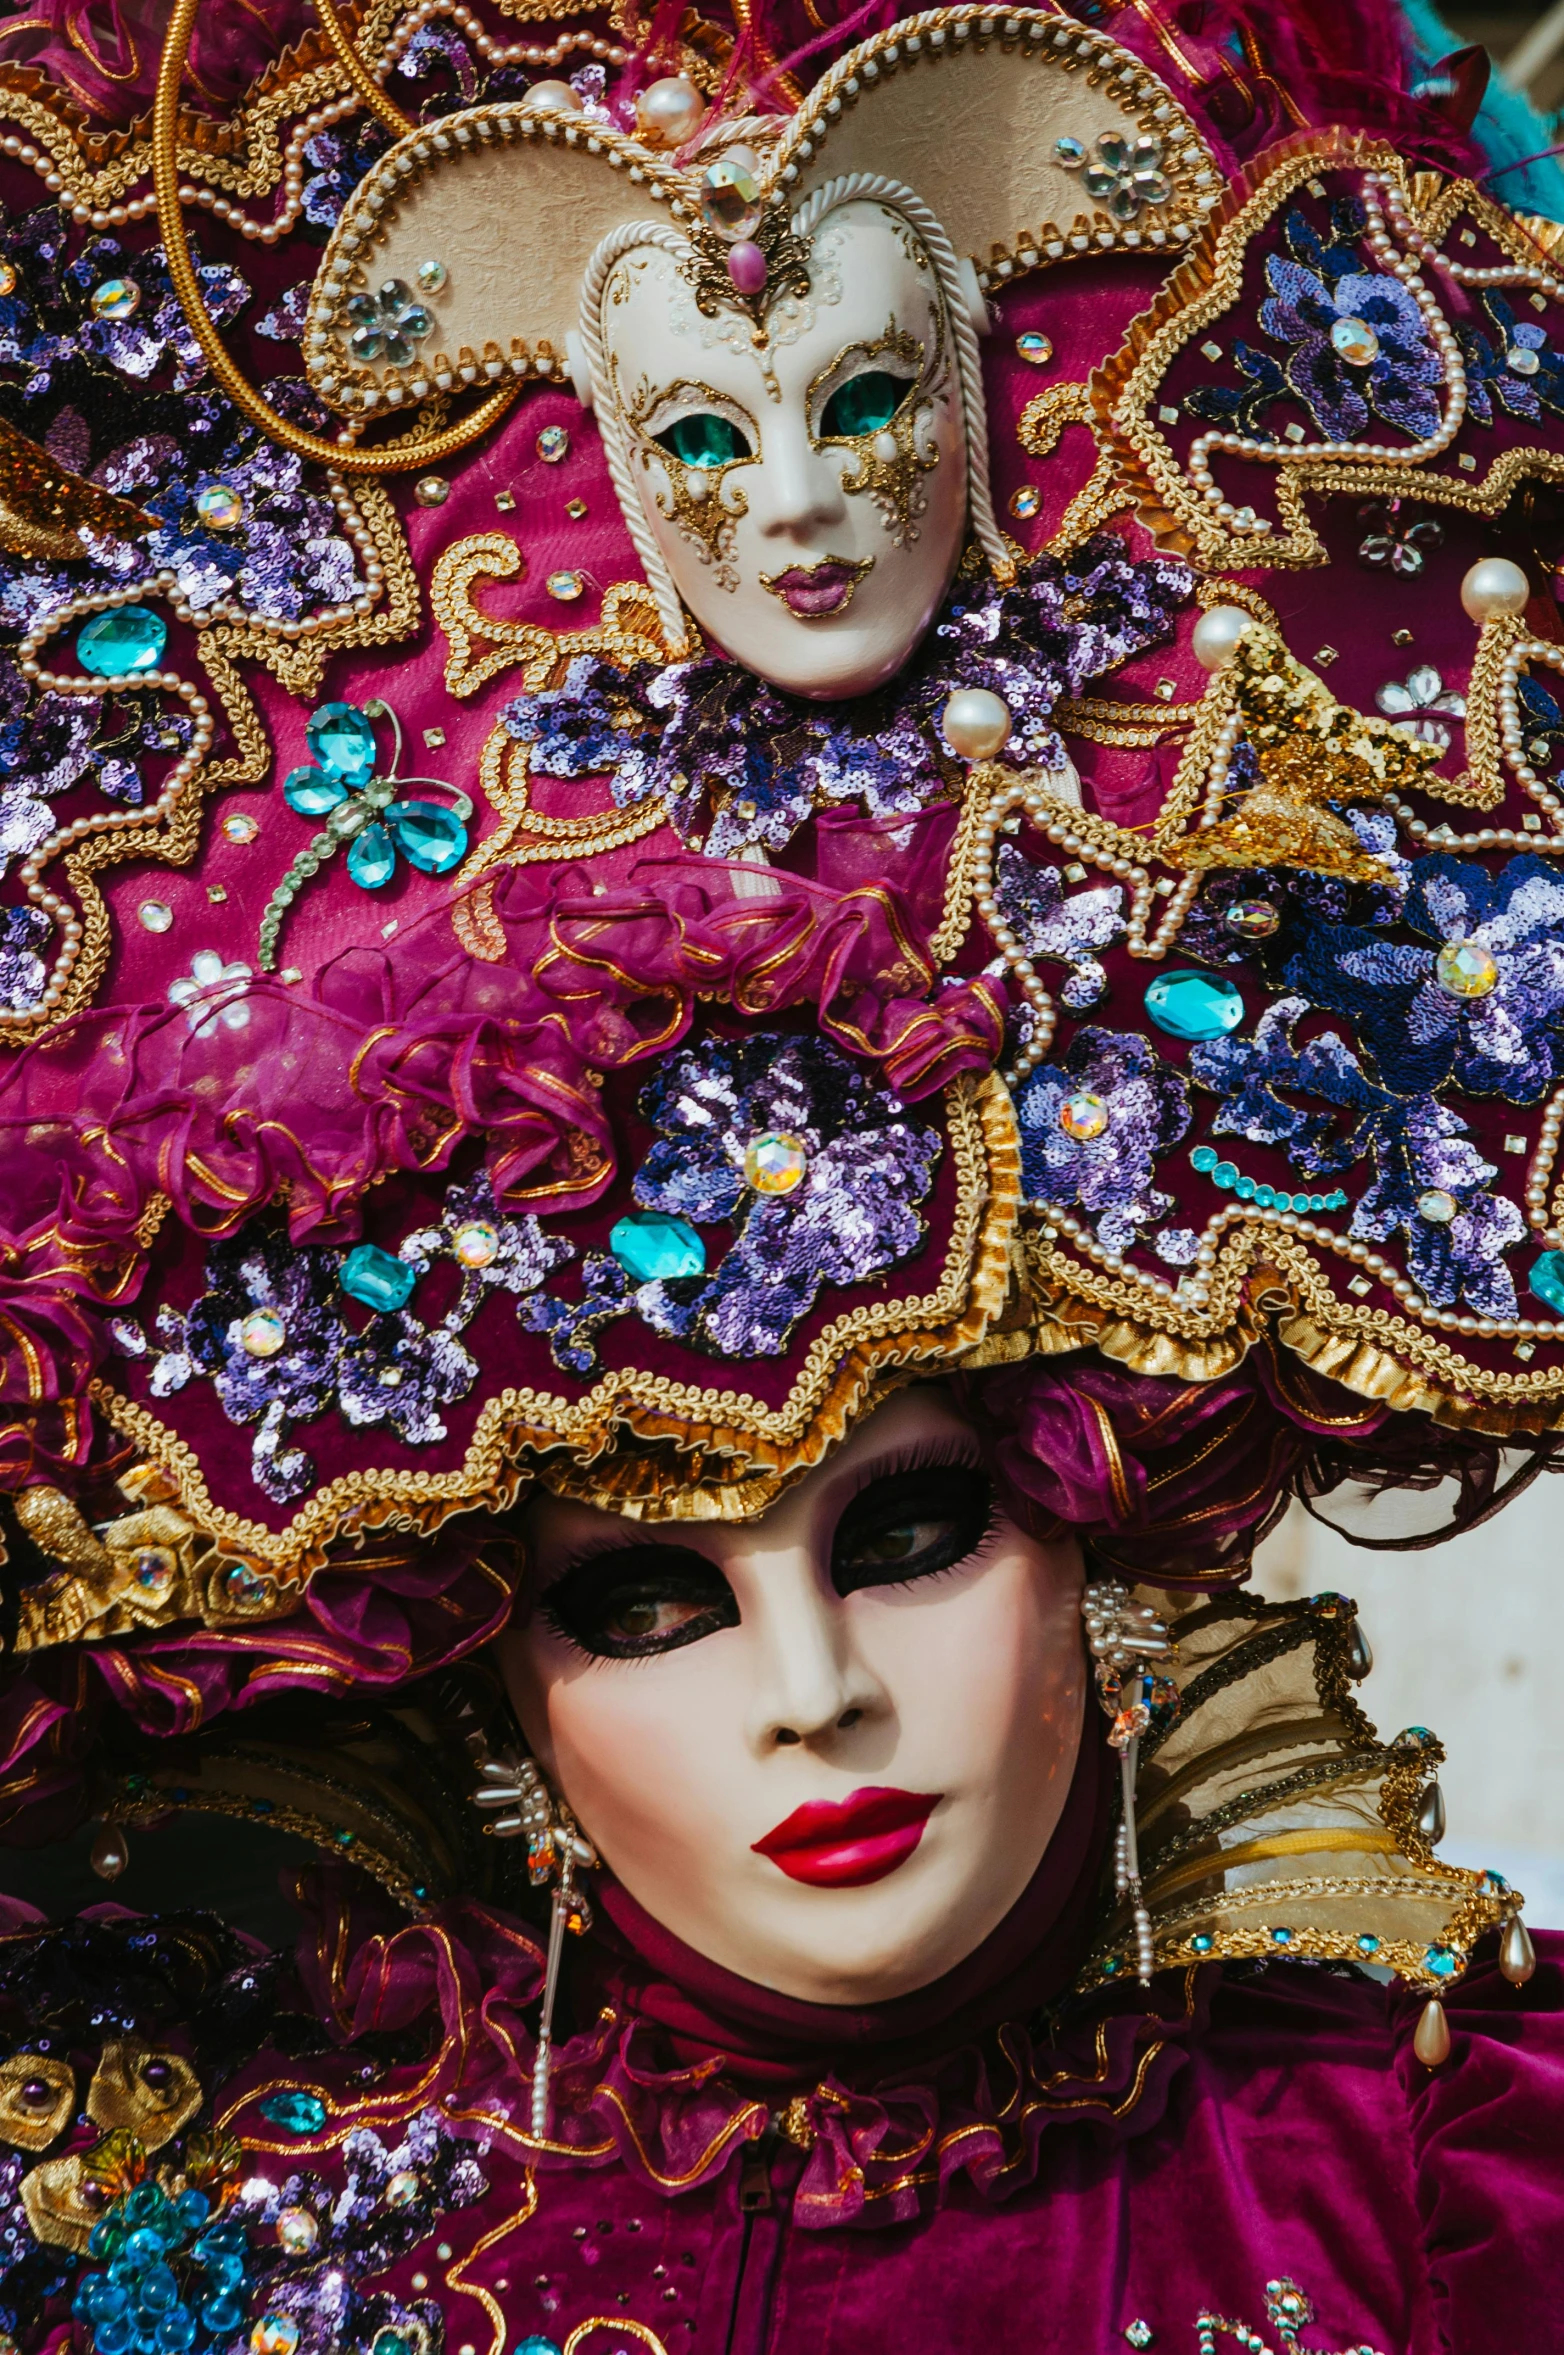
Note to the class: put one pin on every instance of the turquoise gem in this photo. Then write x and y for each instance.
(1202, 1942)
(433, 839)
(704, 440)
(1547, 1279)
(1225, 1174)
(343, 742)
(1245, 1188)
(535, 2346)
(1194, 1005)
(864, 404)
(1265, 1196)
(651, 1247)
(295, 2113)
(1368, 1943)
(1281, 1937)
(374, 1277)
(372, 857)
(311, 792)
(126, 638)
(1443, 1961)
(1203, 1158)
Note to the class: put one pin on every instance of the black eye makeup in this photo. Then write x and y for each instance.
(912, 1522)
(636, 1602)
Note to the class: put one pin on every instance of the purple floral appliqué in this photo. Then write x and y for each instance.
(1093, 1126)
(1048, 923)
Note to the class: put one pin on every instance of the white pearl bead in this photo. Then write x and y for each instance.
(1494, 586)
(975, 724)
(1217, 633)
(669, 111)
(551, 98)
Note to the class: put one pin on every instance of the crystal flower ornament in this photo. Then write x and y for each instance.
(389, 324)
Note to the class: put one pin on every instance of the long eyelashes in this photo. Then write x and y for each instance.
(619, 1602)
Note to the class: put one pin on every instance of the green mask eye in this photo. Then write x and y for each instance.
(864, 404)
(705, 439)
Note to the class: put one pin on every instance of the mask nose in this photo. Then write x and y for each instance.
(796, 493)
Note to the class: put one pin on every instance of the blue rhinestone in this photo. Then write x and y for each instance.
(295, 2113)
(1368, 1943)
(374, 1277)
(1281, 1937)
(125, 639)
(1266, 1197)
(1316, 1202)
(1194, 1005)
(118, 2334)
(1245, 1188)
(372, 857)
(1225, 1174)
(1110, 1967)
(535, 2346)
(1336, 1201)
(311, 792)
(652, 1247)
(1443, 1961)
(343, 742)
(432, 839)
(1202, 1942)
(1547, 1279)
(1203, 1158)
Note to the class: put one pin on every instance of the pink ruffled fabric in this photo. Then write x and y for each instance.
(105, 52)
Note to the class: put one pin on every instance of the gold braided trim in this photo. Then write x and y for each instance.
(628, 634)
(1208, 282)
(1104, 494)
(645, 1446)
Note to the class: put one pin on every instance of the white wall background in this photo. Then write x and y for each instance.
(1468, 1638)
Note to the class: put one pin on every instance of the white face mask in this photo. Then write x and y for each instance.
(807, 485)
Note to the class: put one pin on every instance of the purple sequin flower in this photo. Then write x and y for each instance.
(1093, 1126)
(1430, 1183)
(1484, 1004)
(1047, 922)
(1517, 372)
(743, 764)
(1330, 310)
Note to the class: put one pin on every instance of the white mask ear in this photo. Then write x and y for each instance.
(972, 295)
(580, 366)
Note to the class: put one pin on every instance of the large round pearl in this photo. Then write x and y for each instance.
(1494, 586)
(551, 98)
(1217, 633)
(669, 111)
(976, 724)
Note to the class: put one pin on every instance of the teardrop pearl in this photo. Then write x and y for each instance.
(1517, 1955)
(1431, 1814)
(1431, 2043)
(110, 1852)
(1360, 1653)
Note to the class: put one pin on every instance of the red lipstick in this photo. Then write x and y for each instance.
(845, 1844)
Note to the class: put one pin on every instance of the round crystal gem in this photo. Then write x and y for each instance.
(566, 586)
(1194, 1005)
(220, 506)
(730, 195)
(262, 1333)
(7, 278)
(275, 2334)
(239, 826)
(431, 277)
(152, 1569)
(477, 1244)
(116, 298)
(126, 639)
(776, 1161)
(1465, 969)
(1250, 919)
(1026, 502)
(1035, 348)
(1070, 151)
(1083, 1116)
(553, 444)
(1354, 341)
(155, 915)
(1520, 361)
(431, 490)
(1437, 1206)
(297, 2231)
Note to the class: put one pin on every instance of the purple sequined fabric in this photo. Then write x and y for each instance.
(1093, 1126)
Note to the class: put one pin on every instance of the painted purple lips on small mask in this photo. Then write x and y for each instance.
(815, 590)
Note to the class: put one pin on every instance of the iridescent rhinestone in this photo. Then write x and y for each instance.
(1465, 969)
(263, 1332)
(575, 509)
(776, 1161)
(730, 195)
(7, 279)
(1083, 1116)
(1354, 341)
(1437, 1206)
(1521, 362)
(275, 2334)
(220, 506)
(431, 277)
(653, 1247)
(1250, 919)
(1035, 348)
(477, 1244)
(116, 298)
(1138, 2333)
(403, 2188)
(297, 2231)
(246, 1586)
(1026, 502)
(126, 639)
(239, 826)
(152, 1571)
(566, 586)
(553, 443)
(155, 915)
(431, 490)
(1194, 1005)
(1070, 152)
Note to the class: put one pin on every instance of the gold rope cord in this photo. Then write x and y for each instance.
(358, 73)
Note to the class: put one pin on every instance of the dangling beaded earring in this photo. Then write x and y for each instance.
(1122, 1635)
(556, 1851)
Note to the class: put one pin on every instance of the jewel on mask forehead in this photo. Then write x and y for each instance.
(1250, 919)
(1465, 969)
(152, 1569)
(730, 195)
(776, 1161)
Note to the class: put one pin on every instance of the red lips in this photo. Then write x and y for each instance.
(845, 1844)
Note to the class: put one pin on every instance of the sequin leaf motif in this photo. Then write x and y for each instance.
(1303, 753)
(1356, 343)
(1093, 1127)
(272, 1335)
(1515, 371)
(1049, 923)
(742, 765)
(788, 1142)
(1482, 1005)
(1430, 1184)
